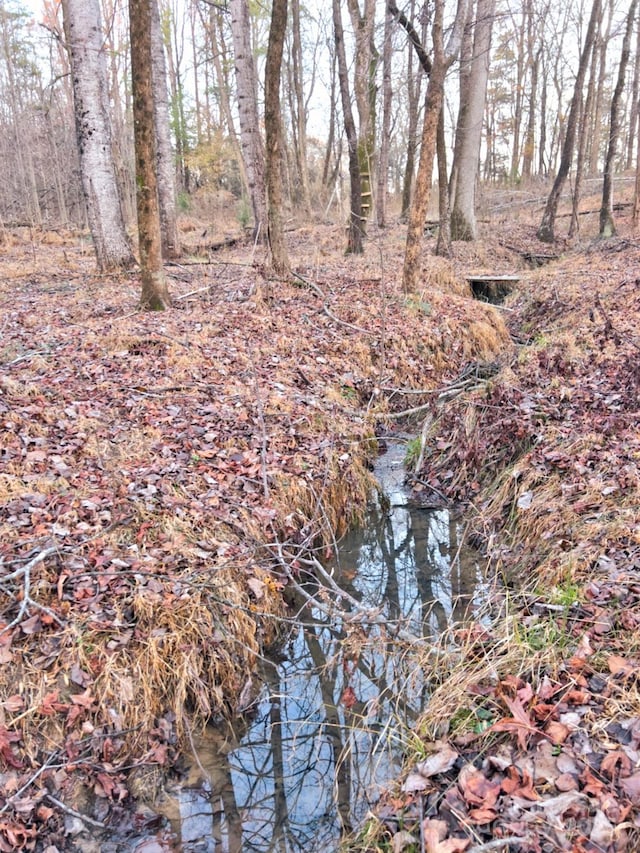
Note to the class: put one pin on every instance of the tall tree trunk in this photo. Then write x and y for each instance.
(273, 132)
(155, 295)
(250, 139)
(165, 165)
(598, 106)
(443, 246)
(607, 224)
(583, 135)
(546, 231)
(463, 215)
(354, 239)
(387, 94)
(299, 111)
(442, 59)
(634, 106)
(90, 93)
(366, 60)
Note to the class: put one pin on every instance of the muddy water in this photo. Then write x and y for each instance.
(328, 728)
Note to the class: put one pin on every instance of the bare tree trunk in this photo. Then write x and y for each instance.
(155, 295)
(298, 113)
(443, 246)
(596, 116)
(634, 105)
(165, 165)
(607, 224)
(366, 60)
(546, 231)
(442, 59)
(273, 131)
(463, 216)
(387, 94)
(250, 139)
(585, 118)
(354, 240)
(90, 91)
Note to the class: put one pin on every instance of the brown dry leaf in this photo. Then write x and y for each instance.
(567, 782)
(13, 704)
(482, 816)
(438, 762)
(613, 760)
(557, 732)
(257, 587)
(631, 787)
(476, 788)
(435, 840)
(401, 840)
(619, 666)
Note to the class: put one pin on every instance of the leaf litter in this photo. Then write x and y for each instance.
(148, 463)
(543, 708)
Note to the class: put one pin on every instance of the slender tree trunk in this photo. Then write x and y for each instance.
(355, 236)
(155, 295)
(298, 113)
(387, 94)
(434, 99)
(463, 215)
(250, 139)
(598, 107)
(90, 91)
(273, 131)
(443, 246)
(585, 118)
(546, 231)
(165, 167)
(607, 224)
(634, 105)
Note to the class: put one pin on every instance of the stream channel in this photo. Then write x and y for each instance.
(328, 728)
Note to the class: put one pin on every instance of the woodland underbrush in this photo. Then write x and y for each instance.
(156, 471)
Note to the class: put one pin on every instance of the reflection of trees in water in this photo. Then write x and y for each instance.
(322, 739)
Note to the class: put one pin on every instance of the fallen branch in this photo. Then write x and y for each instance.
(83, 817)
(25, 574)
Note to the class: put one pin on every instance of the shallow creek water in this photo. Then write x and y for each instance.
(326, 732)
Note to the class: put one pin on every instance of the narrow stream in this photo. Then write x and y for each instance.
(329, 726)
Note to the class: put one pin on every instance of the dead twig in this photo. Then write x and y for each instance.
(83, 817)
(25, 574)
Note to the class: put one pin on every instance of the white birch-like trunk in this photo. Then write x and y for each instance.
(85, 43)
(250, 138)
(465, 166)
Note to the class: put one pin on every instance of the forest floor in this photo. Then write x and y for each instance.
(162, 477)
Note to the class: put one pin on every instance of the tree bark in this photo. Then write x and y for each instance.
(387, 94)
(273, 131)
(463, 215)
(250, 139)
(441, 61)
(93, 133)
(607, 224)
(355, 236)
(155, 294)
(165, 164)
(546, 231)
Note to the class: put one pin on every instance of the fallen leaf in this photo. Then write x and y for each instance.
(438, 762)
(631, 787)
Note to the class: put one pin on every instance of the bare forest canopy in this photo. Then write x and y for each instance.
(535, 48)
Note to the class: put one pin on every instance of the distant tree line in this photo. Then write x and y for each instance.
(297, 110)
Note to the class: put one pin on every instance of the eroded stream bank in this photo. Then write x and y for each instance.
(335, 710)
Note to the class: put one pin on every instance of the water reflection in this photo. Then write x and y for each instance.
(327, 731)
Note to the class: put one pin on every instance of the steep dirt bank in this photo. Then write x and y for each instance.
(149, 464)
(533, 733)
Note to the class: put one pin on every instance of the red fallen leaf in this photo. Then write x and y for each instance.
(348, 698)
(50, 704)
(592, 785)
(557, 732)
(519, 784)
(476, 788)
(577, 697)
(482, 816)
(6, 751)
(614, 759)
